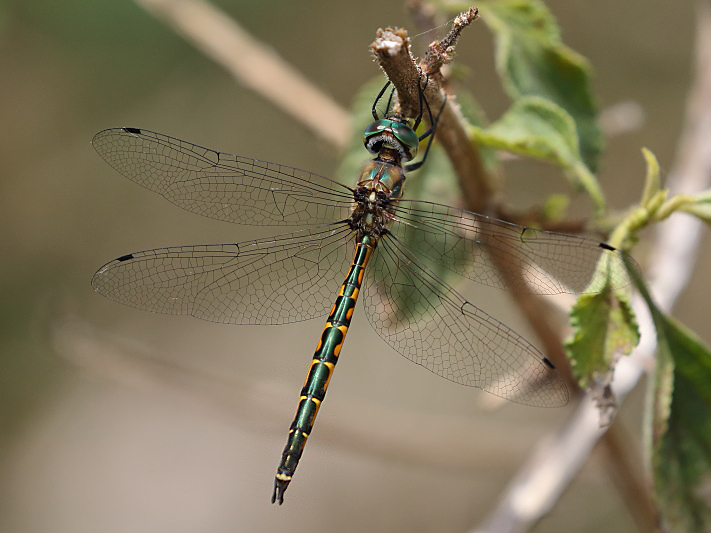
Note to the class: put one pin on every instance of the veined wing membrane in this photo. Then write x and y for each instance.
(430, 324)
(223, 186)
(277, 280)
(505, 255)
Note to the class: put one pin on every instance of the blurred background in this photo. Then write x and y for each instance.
(117, 420)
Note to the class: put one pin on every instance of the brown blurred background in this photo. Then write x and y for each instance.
(116, 420)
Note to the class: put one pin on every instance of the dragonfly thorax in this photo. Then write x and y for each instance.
(380, 183)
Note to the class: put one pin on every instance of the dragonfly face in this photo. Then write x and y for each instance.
(393, 132)
(395, 248)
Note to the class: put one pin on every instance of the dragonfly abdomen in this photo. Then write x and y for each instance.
(322, 366)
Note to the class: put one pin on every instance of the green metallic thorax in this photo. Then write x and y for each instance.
(383, 175)
(379, 186)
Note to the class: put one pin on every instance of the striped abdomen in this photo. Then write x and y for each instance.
(322, 365)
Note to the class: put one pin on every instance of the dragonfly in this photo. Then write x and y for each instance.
(397, 248)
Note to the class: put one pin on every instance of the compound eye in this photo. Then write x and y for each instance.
(407, 136)
(373, 130)
(377, 127)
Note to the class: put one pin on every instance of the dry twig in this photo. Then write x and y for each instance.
(391, 49)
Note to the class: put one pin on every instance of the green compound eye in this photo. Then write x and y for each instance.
(409, 142)
(407, 136)
(377, 127)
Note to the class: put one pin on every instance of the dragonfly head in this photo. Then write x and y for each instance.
(392, 133)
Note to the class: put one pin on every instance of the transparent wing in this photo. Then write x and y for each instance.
(279, 280)
(429, 323)
(505, 255)
(223, 186)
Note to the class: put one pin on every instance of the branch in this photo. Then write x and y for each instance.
(392, 52)
(254, 65)
(391, 49)
(554, 463)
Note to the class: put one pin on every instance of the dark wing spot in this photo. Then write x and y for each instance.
(548, 363)
(125, 257)
(606, 246)
(132, 130)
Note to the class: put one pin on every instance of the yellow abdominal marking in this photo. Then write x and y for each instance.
(330, 367)
(315, 400)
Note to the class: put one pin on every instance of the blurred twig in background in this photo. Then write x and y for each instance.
(254, 65)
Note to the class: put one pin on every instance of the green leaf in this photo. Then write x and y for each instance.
(538, 128)
(700, 207)
(534, 127)
(533, 61)
(604, 327)
(681, 447)
(651, 182)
